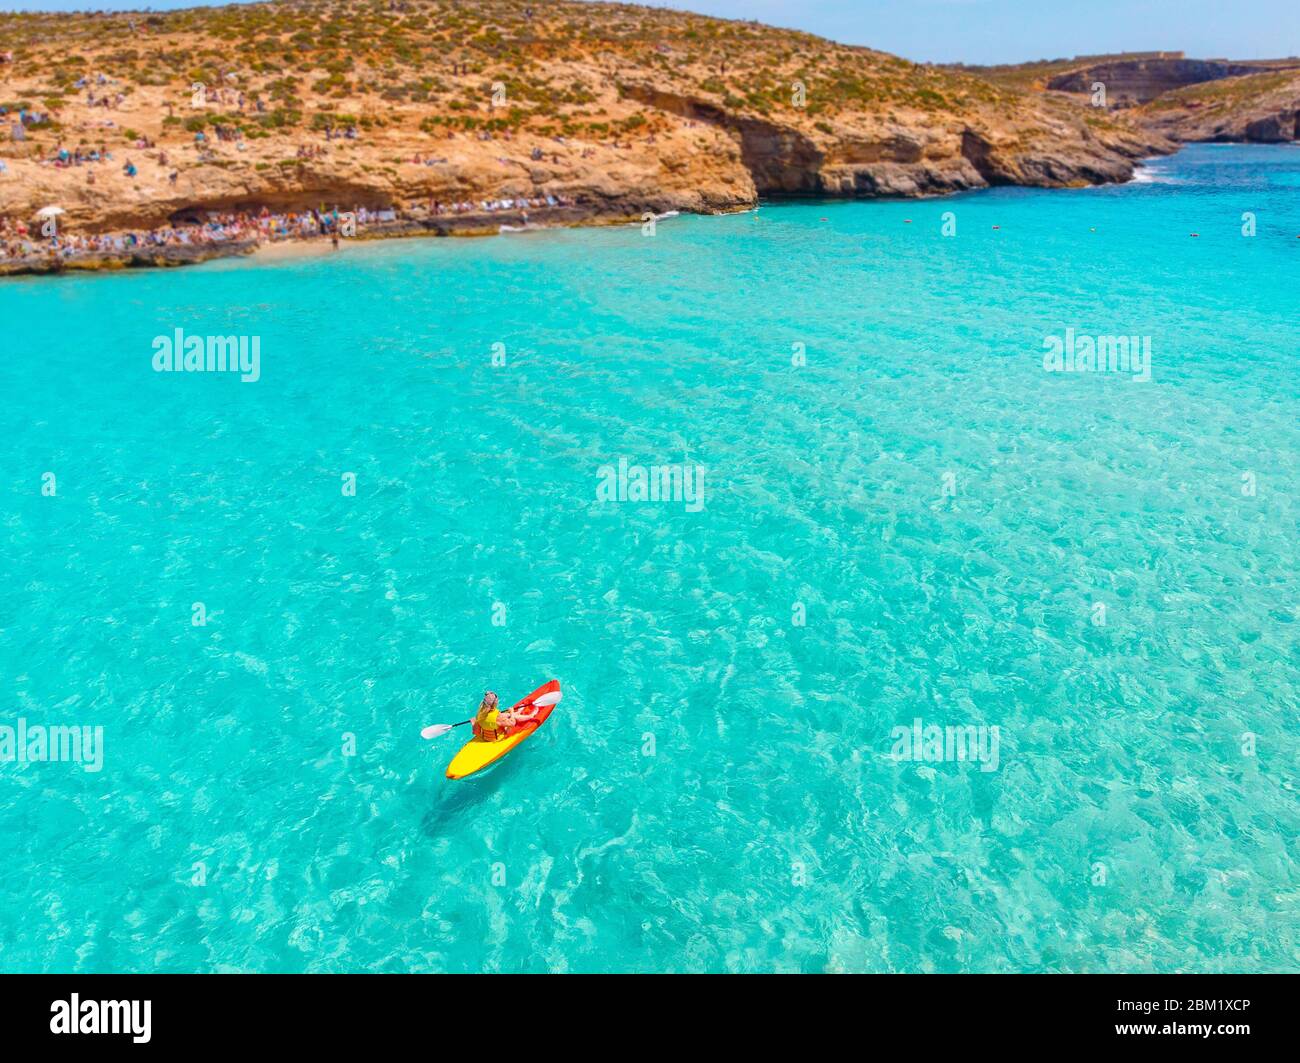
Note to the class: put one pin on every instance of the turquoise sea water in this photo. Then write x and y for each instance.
(1126, 827)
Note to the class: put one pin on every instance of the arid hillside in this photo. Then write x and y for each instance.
(616, 109)
(1173, 96)
(1261, 108)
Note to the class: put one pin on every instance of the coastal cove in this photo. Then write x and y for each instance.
(145, 130)
(170, 138)
(951, 659)
(316, 229)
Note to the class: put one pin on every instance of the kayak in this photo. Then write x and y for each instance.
(478, 753)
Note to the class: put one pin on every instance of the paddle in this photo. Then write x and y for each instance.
(436, 729)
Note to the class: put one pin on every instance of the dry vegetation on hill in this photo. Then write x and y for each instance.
(619, 108)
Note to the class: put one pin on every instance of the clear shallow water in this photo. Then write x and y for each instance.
(771, 830)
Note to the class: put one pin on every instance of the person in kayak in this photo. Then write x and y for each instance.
(490, 724)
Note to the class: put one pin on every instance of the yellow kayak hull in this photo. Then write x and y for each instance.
(477, 754)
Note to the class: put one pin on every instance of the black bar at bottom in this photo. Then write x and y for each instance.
(489, 1016)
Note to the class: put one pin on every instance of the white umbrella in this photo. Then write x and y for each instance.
(50, 212)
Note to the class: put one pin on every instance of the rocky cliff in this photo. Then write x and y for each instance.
(1134, 81)
(1260, 108)
(1171, 96)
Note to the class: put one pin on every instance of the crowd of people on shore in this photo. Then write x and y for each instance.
(18, 239)
(41, 239)
(491, 206)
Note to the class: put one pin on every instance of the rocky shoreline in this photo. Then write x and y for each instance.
(469, 225)
(136, 258)
(893, 182)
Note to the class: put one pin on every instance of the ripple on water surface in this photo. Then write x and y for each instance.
(919, 523)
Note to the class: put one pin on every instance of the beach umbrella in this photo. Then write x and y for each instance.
(50, 212)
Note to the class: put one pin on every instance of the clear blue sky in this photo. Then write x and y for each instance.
(982, 31)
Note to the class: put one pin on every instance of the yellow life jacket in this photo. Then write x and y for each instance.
(486, 726)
